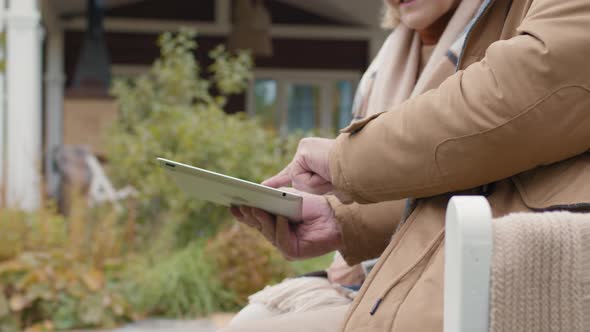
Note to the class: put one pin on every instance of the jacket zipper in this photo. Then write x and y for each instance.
(430, 248)
(425, 254)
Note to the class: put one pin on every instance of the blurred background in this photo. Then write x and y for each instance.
(92, 233)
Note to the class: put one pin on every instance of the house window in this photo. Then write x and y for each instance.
(265, 93)
(303, 111)
(290, 101)
(344, 100)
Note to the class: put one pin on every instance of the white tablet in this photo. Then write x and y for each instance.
(228, 191)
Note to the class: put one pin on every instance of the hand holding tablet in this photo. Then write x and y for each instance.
(307, 229)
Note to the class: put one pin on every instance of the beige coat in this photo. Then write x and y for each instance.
(512, 124)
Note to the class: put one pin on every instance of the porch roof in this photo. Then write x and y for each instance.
(351, 11)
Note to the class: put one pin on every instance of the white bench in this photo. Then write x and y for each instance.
(468, 259)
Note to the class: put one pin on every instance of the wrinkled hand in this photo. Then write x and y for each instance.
(309, 171)
(316, 234)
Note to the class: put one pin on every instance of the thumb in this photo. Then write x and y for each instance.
(286, 240)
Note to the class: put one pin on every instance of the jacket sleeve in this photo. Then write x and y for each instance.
(366, 229)
(525, 104)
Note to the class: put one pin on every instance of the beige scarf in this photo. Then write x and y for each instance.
(393, 76)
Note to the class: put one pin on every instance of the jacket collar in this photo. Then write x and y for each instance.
(462, 42)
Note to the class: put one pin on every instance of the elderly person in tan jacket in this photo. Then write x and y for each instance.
(512, 124)
(419, 53)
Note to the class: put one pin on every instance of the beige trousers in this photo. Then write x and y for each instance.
(321, 320)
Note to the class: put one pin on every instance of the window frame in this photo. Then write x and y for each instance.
(325, 80)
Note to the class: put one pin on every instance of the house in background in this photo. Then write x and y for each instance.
(54, 86)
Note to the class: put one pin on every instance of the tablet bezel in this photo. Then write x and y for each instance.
(283, 202)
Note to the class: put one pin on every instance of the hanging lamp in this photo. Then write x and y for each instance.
(93, 67)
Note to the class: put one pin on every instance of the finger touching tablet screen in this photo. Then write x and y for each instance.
(228, 191)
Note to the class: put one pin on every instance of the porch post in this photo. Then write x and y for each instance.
(23, 76)
(222, 14)
(2, 104)
(54, 95)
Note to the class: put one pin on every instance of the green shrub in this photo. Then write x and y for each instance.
(184, 284)
(214, 275)
(246, 262)
(171, 112)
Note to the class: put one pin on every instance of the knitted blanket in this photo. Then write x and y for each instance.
(541, 273)
(302, 295)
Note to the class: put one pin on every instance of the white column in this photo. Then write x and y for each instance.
(2, 104)
(23, 76)
(54, 94)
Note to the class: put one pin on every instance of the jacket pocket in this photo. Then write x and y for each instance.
(358, 125)
(425, 299)
(560, 186)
